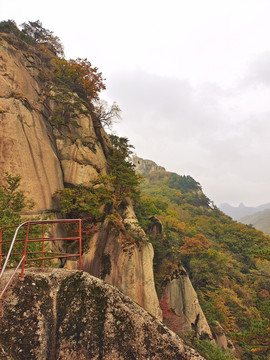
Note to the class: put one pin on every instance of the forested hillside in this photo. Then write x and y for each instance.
(226, 260)
(260, 220)
(56, 149)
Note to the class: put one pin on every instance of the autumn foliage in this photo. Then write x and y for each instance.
(231, 276)
(169, 318)
(79, 76)
(195, 245)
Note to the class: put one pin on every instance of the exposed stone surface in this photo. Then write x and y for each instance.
(155, 229)
(30, 145)
(123, 259)
(221, 338)
(177, 295)
(80, 152)
(47, 157)
(145, 167)
(63, 314)
(26, 146)
(182, 299)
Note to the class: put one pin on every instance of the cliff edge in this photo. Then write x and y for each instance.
(64, 314)
(50, 152)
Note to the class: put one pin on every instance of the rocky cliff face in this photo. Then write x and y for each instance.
(123, 259)
(178, 299)
(184, 309)
(145, 167)
(45, 155)
(27, 145)
(48, 156)
(63, 314)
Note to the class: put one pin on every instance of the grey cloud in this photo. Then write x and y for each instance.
(195, 131)
(258, 71)
(166, 103)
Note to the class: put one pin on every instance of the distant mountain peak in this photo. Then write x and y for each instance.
(241, 211)
(145, 167)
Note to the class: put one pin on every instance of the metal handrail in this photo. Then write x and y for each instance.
(11, 278)
(10, 248)
(23, 259)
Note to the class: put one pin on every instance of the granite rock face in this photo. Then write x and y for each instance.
(27, 146)
(145, 167)
(182, 301)
(48, 156)
(63, 314)
(124, 259)
(221, 338)
(182, 311)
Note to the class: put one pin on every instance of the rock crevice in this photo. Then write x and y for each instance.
(47, 156)
(93, 320)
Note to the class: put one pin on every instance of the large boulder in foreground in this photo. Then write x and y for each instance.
(66, 314)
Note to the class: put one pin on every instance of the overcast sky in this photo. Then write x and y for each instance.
(192, 78)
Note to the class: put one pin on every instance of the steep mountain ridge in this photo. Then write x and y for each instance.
(54, 140)
(145, 167)
(226, 261)
(47, 155)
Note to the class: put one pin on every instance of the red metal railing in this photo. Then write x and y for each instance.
(41, 255)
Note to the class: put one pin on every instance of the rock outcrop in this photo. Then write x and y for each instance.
(124, 259)
(45, 155)
(145, 167)
(27, 146)
(221, 338)
(63, 314)
(182, 302)
(48, 156)
(179, 301)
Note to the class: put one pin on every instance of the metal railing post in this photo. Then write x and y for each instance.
(10, 249)
(80, 244)
(0, 248)
(42, 261)
(42, 239)
(11, 278)
(25, 250)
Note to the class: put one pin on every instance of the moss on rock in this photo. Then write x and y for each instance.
(64, 314)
